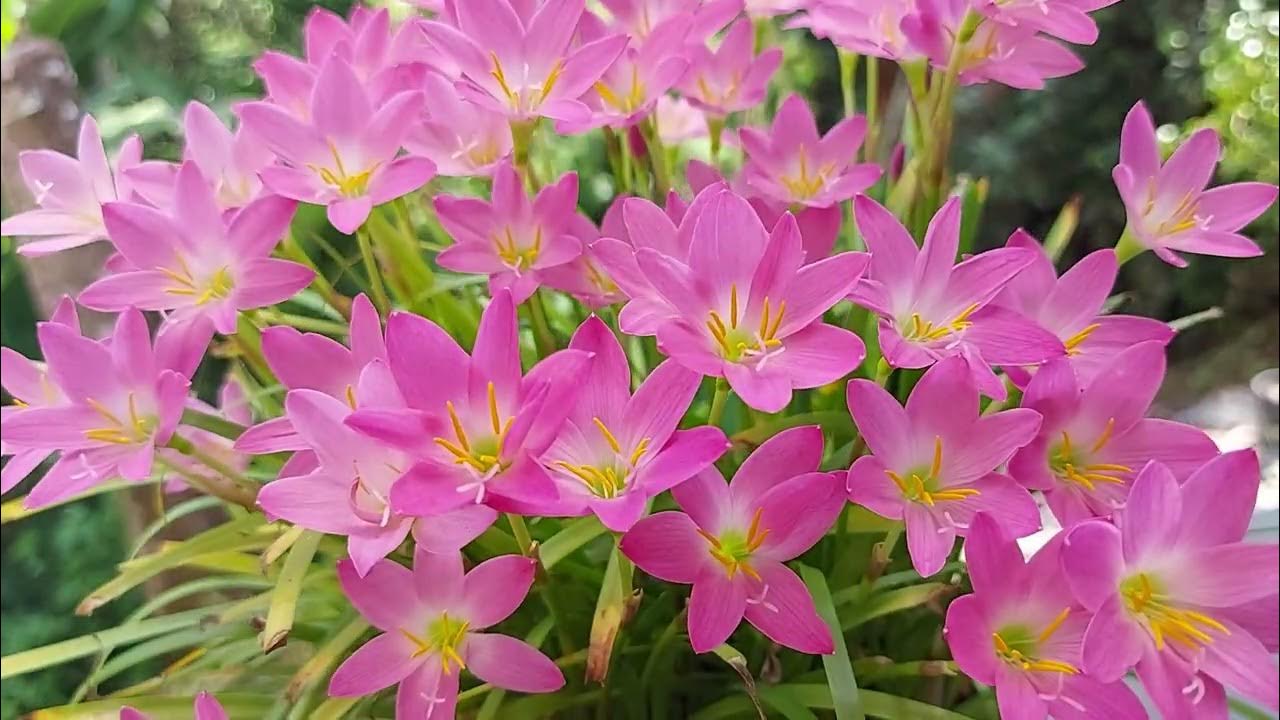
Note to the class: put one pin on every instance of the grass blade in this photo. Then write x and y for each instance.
(846, 700)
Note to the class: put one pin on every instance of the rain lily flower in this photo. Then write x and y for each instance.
(731, 541)
(732, 78)
(1071, 308)
(344, 156)
(509, 238)
(206, 707)
(931, 308)
(1020, 632)
(793, 164)
(1019, 57)
(433, 619)
(27, 381)
(678, 121)
(194, 263)
(640, 18)
(617, 450)
(1094, 436)
(123, 399)
(629, 90)
(747, 309)
(865, 27)
(462, 139)
(933, 463)
(1169, 209)
(230, 162)
(70, 192)
(1064, 19)
(764, 9)
(1162, 586)
(474, 424)
(523, 67)
(584, 277)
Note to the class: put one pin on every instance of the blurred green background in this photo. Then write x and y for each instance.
(1196, 63)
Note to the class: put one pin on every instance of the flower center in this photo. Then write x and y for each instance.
(443, 637)
(1184, 216)
(217, 286)
(737, 343)
(733, 550)
(921, 486)
(628, 103)
(608, 480)
(1072, 466)
(1074, 342)
(1017, 646)
(348, 185)
(136, 430)
(481, 455)
(515, 255)
(1146, 600)
(917, 329)
(803, 185)
(520, 100)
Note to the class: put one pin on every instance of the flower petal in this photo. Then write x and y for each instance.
(381, 595)
(495, 588)
(785, 613)
(716, 606)
(380, 663)
(667, 546)
(512, 664)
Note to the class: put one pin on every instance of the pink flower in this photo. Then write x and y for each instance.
(865, 27)
(70, 192)
(678, 121)
(1071, 308)
(618, 450)
(1020, 632)
(731, 541)
(474, 424)
(123, 398)
(511, 239)
(344, 156)
(764, 9)
(930, 308)
(193, 262)
(629, 90)
(1094, 436)
(640, 18)
(748, 311)
(1168, 206)
(1064, 19)
(27, 381)
(523, 67)
(230, 162)
(933, 463)
(206, 708)
(733, 77)
(460, 137)
(584, 277)
(794, 165)
(1164, 583)
(432, 618)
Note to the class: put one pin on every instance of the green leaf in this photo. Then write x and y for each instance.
(844, 686)
(782, 699)
(884, 603)
(157, 707)
(611, 612)
(738, 662)
(574, 535)
(284, 598)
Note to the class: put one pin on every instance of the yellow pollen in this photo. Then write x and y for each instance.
(443, 637)
(515, 256)
(610, 479)
(804, 185)
(501, 78)
(734, 551)
(482, 457)
(1016, 646)
(136, 430)
(1073, 343)
(347, 184)
(351, 397)
(921, 330)
(1071, 468)
(914, 487)
(737, 343)
(1166, 622)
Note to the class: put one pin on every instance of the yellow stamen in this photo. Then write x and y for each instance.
(1105, 437)
(1163, 619)
(1073, 343)
(608, 436)
(493, 410)
(1054, 625)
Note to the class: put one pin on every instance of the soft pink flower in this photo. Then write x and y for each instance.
(678, 121)
(70, 192)
(1164, 583)
(933, 463)
(460, 137)
(344, 156)
(733, 77)
(764, 9)
(1020, 632)
(748, 310)
(123, 399)
(584, 277)
(640, 18)
(475, 425)
(1095, 437)
(230, 162)
(509, 238)
(731, 541)
(432, 620)
(194, 262)
(865, 27)
(1064, 19)
(206, 708)
(931, 308)
(1168, 206)
(524, 67)
(1071, 308)
(617, 450)
(27, 381)
(792, 164)
(630, 89)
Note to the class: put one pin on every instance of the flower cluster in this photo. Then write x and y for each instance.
(943, 391)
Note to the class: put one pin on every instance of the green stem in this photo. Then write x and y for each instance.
(212, 423)
(541, 330)
(870, 147)
(657, 159)
(302, 322)
(715, 128)
(232, 488)
(376, 288)
(1128, 246)
(522, 148)
(718, 402)
(883, 371)
(626, 185)
(520, 531)
(849, 82)
(940, 120)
